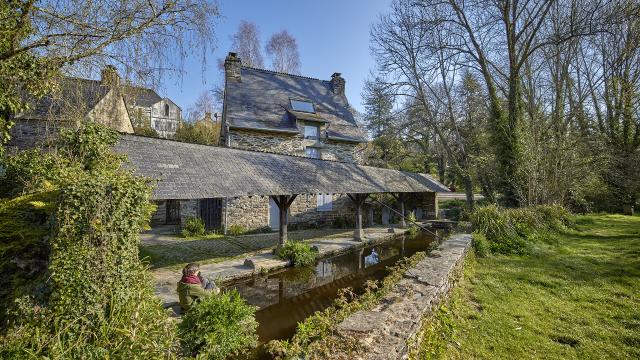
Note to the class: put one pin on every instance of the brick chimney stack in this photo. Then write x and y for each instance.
(109, 76)
(232, 65)
(337, 84)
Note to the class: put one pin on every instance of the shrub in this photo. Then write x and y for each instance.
(146, 130)
(97, 300)
(480, 245)
(193, 226)
(236, 229)
(218, 327)
(299, 253)
(513, 231)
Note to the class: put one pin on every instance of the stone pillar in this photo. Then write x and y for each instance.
(403, 221)
(358, 200)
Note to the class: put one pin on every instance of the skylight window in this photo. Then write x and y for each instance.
(303, 106)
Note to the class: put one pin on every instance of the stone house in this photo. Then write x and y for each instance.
(106, 101)
(147, 107)
(100, 101)
(287, 117)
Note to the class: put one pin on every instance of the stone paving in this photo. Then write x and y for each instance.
(256, 261)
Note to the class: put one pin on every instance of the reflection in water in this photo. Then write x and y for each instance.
(289, 296)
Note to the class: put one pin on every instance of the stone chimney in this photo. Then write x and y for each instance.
(109, 76)
(337, 84)
(232, 67)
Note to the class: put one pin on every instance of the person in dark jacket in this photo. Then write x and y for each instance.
(193, 286)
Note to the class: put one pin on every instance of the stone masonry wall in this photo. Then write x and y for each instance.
(250, 212)
(386, 330)
(292, 144)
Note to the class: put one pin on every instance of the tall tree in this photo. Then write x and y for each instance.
(246, 42)
(205, 103)
(38, 39)
(282, 48)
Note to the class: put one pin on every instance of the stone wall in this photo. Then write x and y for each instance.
(252, 213)
(292, 144)
(388, 330)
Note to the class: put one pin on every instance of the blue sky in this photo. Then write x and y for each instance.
(332, 35)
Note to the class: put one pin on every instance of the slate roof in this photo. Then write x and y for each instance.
(73, 93)
(82, 95)
(261, 100)
(141, 96)
(190, 171)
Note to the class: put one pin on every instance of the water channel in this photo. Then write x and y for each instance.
(289, 296)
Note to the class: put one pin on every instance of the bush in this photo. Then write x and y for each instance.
(146, 131)
(299, 253)
(218, 327)
(236, 229)
(96, 300)
(514, 231)
(193, 226)
(480, 245)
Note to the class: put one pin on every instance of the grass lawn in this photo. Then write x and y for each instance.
(579, 299)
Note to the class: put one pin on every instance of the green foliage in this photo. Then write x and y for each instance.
(218, 327)
(201, 132)
(146, 131)
(435, 335)
(299, 253)
(480, 244)
(236, 229)
(20, 72)
(514, 231)
(193, 226)
(342, 222)
(97, 300)
(314, 337)
(25, 223)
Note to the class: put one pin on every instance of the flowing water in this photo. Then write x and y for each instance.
(289, 296)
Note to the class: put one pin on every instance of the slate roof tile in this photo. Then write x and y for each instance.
(190, 171)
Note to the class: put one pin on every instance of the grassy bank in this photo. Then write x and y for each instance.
(579, 298)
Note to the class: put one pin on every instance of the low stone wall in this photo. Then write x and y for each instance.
(386, 330)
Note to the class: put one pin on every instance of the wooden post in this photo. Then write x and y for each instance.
(283, 202)
(358, 200)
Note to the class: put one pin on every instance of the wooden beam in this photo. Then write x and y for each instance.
(403, 221)
(283, 202)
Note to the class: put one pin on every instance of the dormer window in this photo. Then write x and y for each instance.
(311, 132)
(304, 106)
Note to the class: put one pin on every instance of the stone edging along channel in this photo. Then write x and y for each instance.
(385, 330)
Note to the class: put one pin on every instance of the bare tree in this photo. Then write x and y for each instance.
(205, 103)
(144, 39)
(283, 50)
(246, 43)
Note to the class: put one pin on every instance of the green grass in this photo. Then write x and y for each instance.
(574, 300)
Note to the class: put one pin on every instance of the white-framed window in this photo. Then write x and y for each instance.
(325, 202)
(311, 132)
(312, 152)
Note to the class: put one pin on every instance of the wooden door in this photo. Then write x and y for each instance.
(211, 213)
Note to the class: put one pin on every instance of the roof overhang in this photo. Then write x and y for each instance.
(265, 128)
(191, 171)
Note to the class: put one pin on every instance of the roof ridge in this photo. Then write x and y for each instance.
(282, 73)
(233, 149)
